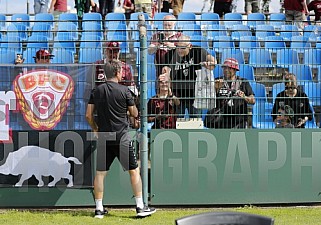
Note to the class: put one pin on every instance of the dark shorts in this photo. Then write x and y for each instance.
(222, 8)
(106, 6)
(124, 151)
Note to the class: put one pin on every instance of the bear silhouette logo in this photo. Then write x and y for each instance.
(35, 161)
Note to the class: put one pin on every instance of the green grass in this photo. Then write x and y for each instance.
(282, 216)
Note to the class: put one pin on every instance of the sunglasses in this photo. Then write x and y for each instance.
(290, 87)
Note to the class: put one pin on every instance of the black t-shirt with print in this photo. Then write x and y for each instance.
(234, 108)
(183, 70)
(299, 104)
(111, 102)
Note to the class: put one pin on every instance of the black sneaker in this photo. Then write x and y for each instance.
(146, 211)
(100, 214)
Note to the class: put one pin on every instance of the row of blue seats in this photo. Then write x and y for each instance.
(230, 19)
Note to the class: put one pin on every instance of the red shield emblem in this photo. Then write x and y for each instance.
(43, 97)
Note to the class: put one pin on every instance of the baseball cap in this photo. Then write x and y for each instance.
(231, 63)
(113, 45)
(43, 53)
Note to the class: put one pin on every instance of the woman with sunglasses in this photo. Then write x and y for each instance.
(296, 99)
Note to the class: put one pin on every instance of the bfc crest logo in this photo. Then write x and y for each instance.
(43, 97)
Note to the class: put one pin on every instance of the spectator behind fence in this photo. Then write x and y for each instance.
(163, 41)
(177, 6)
(106, 6)
(296, 99)
(144, 6)
(284, 117)
(112, 52)
(161, 107)
(233, 93)
(58, 7)
(295, 11)
(251, 6)
(43, 56)
(222, 7)
(83, 6)
(129, 7)
(40, 6)
(316, 7)
(113, 103)
(181, 66)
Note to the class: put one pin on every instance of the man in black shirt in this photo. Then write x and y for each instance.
(113, 103)
(181, 67)
(296, 99)
(233, 93)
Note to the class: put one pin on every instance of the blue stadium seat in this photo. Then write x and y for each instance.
(254, 19)
(90, 55)
(112, 18)
(68, 17)
(222, 42)
(277, 20)
(303, 73)
(248, 42)
(19, 30)
(286, 57)
(261, 116)
(42, 29)
(274, 43)
(7, 56)
(37, 41)
(116, 29)
(246, 71)
(90, 41)
(276, 89)
(46, 18)
(191, 29)
(313, 91)
(21, 18)
(92, 28)
(231, 19)
(312, 32)
(92, 17)
(3, 22)
(260, 58)
(263, 31)
(288, 31)
(28, 55)
(199, 40)
(216, 30)
(67, 28)
(65, 42)
(300, 43)
(312, 57)
(11, 43)
(240, 30)
(259, 92)
(185, 18)
(63, 56)
(232, 53)
(209, 19)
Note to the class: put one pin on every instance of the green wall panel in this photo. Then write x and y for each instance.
(235, 166)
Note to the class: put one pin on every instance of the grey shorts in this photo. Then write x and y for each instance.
(123, 151)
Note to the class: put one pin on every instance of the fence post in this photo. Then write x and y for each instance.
(143, 144)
